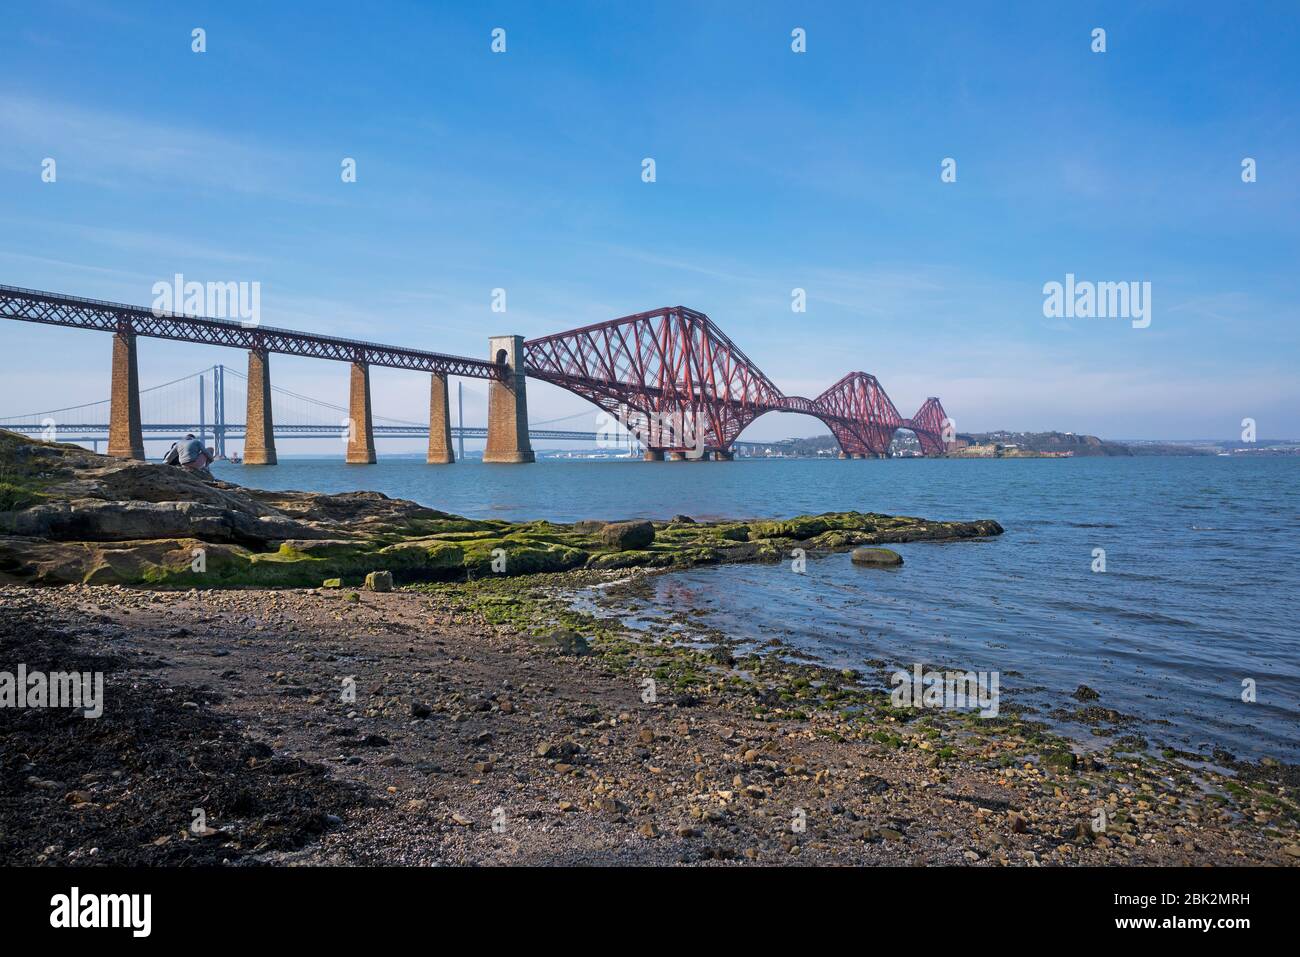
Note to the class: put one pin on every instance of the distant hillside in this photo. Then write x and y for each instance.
(1005, 444)
(1168, 448)
(1057, 443)
(1266, 447)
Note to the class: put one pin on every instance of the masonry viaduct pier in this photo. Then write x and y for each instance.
(670, 376)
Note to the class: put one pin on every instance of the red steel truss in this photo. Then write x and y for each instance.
(59, 310)
(864, 419)
(934, 430)
(669, 375)
(672, 377)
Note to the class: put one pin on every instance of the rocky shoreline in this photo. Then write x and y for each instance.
(478, 716)
(68, 516)
(489, 723)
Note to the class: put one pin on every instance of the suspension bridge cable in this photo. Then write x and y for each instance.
(564, 418)
(35, 416)
(323, 403)
(85, 405)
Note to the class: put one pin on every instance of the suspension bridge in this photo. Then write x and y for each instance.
(670, 377)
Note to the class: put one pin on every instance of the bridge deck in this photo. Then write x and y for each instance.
(31, 305)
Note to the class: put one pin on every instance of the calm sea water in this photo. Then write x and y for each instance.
(1199, 592)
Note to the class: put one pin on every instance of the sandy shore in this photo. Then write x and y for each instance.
(471, 742)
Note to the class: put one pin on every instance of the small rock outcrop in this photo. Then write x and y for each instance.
(379, 581)
(565, 642)
(876, 556)
(627, 536)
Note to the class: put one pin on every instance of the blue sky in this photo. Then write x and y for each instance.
(775, 170)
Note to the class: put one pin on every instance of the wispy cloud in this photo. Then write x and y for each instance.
(121, 152)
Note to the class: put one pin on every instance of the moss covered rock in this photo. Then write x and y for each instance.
(876, 556)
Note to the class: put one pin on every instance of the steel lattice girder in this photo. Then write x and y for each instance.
(669, 365)
(33, 306)
(865, 418)
(928, 424)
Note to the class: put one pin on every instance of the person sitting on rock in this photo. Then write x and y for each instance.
(192, 455)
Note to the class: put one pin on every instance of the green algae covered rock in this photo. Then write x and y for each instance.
(564, 642)
(876, 556)
(806, 526)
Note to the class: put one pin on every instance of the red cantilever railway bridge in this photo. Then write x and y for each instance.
(675, 363)
(670, 375)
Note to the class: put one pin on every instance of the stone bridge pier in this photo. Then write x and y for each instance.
(361, 428)
(440, 452)
(507, 438)
(125, 436)
(259, 435)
